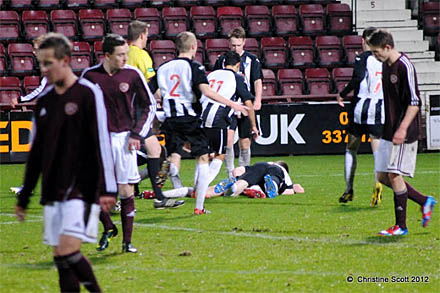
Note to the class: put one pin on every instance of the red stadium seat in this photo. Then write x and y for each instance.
(274, 53)
(21, 59)
(229, 18)
(215, 48)
(35, 23)
(133, 3)
(30, 83)
(352, 47)
(285, 20)
(97, 49)
(81, 57)
(200, 55)
(175, 21)
(186, 3)
(9, 88)
(203, 21)
(329, 51)
(318, 81)
(118, 21)
(269, 83)
(20, 4)
(152, 17)
(161, 3)
(49, 4)
(252, 46)
(3, 63)
(312, 19)
(339, 19)
(64, 22)
(162, 51)
(9, 26)
(92, 23)
(341, 77)
(258, 19)
(302, 51)
(105, 4)
(291, 81)
(431, 17)
(77, 4)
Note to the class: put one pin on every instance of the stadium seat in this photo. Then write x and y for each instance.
(30, 83)
(200, 55)
(339, 19)
(105, 4)
(291, 81)
(268, 2)
(312, 19)
(97, 51)
(213, 2)
(175, 21)
(329, 52)
(152, 17)
(81, 57)
(252, 46)
(21, 59)
(285, 20)
(133, 3)
(214, 48)
(269, 83)
(118, 21)
(229, 18)
(352, 47)
(161, 3)
(3, 63)
(203, 21)
(186, 3)
(20, 4)
(341, 77)
(241, 2)
(318, 81)
(77, 4)
(431, 17)
(64, 22)
(302, 51)
(258, 20)
(273, 52)
(92, 23)
(162, 51)
(9, 88)
(49, 4)
(35, 23)
(9, 26)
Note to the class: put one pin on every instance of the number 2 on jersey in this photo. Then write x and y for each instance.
(172, 92)
(212, 82)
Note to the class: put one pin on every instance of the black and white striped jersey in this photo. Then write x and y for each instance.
(179, 81)
(229, 85)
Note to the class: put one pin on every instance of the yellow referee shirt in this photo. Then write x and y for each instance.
(140, 59)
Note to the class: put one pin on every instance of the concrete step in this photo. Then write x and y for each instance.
(378, 4)
(427, 66)
(429, 78)
(412, 46)
(394, 25)
(421, 56)
(429, 87)
(404, 35)
(371, 15)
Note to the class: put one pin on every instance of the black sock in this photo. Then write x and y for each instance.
(66, 276)
(83, 270)
(153, 170)
(400, 201)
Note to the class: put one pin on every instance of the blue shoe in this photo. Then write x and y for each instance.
(394, 231)
(269, 185)
(427, 210)
(224, 185)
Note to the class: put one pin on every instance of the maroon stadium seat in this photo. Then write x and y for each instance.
(186, 3)
(21, 59)
(9, 88)
(162, 51)
(3, 63)
(161, 3)
(81, 57)
(341, 77)
(105, 4)
(339, 18)
(273, 52)
(20, 4)
(9, 26)
(175, 20)
(77, 4)
(291, 81)
(318, 81)
(329, 51)
(97, 51)
(285, 20)
(35, 23)
(200, 55)
(312, 19)
(252, 46)
(258, 19)
(229, 18)
(302, 51)
(92, 23)
(118, 21)
(269, 83)
(203, 21)
(214, 48)
(49, 4)
(431, 18)
(152, 17)
(133, 3)
(352, 47)
(30, 83)
(64, 22)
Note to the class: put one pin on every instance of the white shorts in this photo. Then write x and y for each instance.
(70, 217)
(127, 171)
(396, 158)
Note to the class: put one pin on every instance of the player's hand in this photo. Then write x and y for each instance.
(240, 108)
(257, 105)
(255, 133)
(340, 100)
(107, 202)
(13, 102)
(134, 144)
(20, 213)
(399, 136)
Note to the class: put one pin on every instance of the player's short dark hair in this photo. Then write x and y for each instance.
(111, 41)
(368, 32)
(381, 38)
(184, 41)
(238, 33)
(284, 165)
(59, 43)
(232, 58)
(135, 29)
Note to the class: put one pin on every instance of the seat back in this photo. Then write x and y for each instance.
(77, 4)
(64, 22)
(431, 18)
(215, 48)
(186, 3)
(274, 52)
(92, 23)
(312, 19)
(118, 21)
(302, 51)
(285, 20)
(9, 26)
(133, 3)
(341, 77)
(339, 18)
(35, 23)
(81, 57)
(352, 46)
(105, 4)
(175, 21)
(252, 46)
(162, 51)
(152, 17)
(3, 64)
(30, 83)
(291, 81)
(269, 83)
(21, 4)
(318, 81)
(21, 59)
(97, 51)
(329, 51)
(49, 4)
(203, 21)
(258, 20)
(9, 88)
(200, 55)
(229, 17)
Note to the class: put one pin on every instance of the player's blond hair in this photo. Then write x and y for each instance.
(184, 40)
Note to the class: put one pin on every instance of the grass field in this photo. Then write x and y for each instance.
(302, 243)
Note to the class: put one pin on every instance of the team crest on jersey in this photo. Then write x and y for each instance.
(70, 108)
(393, 78)
(123, 87)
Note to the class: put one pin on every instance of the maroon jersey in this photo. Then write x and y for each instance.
(129, 102)
(400, 90)
(71, 146)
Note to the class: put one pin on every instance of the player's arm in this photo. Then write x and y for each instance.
(207, 91)
(360, 67)
(247, 98)
(31, 96)
(399, 136)
(257, 77)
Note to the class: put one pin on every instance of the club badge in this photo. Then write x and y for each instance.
(123, 87)
(393, 78)
(70, 108)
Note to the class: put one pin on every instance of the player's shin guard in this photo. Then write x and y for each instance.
(66, 276)
(83, 270)
(174, 176)
(127, 218)
(202, 185)
(229, 160)
(244, 158)
(350, 169)
(153, 170)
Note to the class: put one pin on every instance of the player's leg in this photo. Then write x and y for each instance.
(127, 215)
(110, 231)
(217, 141)
(229, 154)
(244, 143)
(376, 196)
(201, 185)
(350, 164)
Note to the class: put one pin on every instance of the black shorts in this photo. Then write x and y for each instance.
(254, 175)
(360, 129)
(217, 139)
(243, 124)
(177, 130)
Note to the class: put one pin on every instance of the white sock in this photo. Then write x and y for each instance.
(244, 158)
(178, 192)
(214, 169)
(350, 169)
(202, 185)
(375, 172)
(174, 176)
(229, 160)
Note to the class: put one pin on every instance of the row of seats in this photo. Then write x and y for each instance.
(282, 20)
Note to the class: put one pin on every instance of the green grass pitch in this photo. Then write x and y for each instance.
(302, 243)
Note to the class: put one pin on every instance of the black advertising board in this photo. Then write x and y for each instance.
(15, 136)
